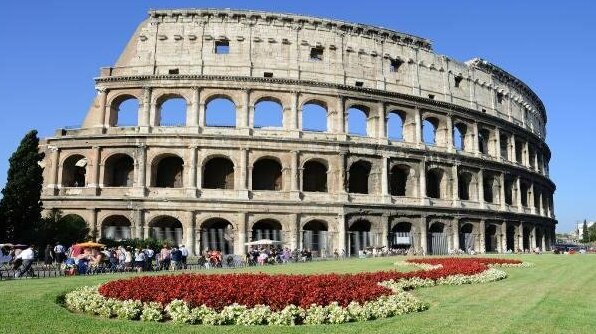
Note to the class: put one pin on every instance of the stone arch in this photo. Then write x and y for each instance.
(314, 176)
(467, 184)
(430, 127)
(267, 174)
(460, 136)
(123, 110)
(217, 234)
(402, 181)
(360, 235)
(314, 115)
(167, 171)
(315, 235)
(170, 109)
(116, 227)
(167, 229)
(119, 170)
(436, 183)
(220, 111)
(218, 173)
(400, 235)
(511, 236)
(359, 177)
(267, 228)
(490, 186)
(490, 238)
(466, 237)
(527, 239)
(74, 170)
(357, 120)
(437, 243)
(484, 139)
(268, 112)
(396, 121)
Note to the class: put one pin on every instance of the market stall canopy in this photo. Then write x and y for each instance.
(262, 242)
(89, 244)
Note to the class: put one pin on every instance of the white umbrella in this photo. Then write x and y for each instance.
(262, 242)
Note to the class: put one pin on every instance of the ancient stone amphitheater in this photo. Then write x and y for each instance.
(317, 133)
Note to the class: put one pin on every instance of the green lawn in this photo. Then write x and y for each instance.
(558, 295)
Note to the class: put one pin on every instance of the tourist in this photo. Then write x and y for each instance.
(150, 254)
(140, 259)
(164, 258)
(60, 253)
(184, 256)
(175, 258)
(128, 259)
(27, 256)
(48, 257)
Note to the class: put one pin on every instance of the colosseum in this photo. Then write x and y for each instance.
(313, 132)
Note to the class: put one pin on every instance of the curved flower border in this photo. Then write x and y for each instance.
(88, 300)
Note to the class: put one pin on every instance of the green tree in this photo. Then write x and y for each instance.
(592, 233)
(20, 207)
(585, 235)
(67, 229)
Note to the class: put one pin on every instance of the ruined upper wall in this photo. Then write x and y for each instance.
(262, 43)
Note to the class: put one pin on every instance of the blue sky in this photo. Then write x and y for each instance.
(51, 50)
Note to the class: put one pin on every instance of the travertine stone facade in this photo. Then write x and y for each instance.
(469, 168)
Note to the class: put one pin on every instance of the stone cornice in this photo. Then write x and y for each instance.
(296, 21)
(507, 78)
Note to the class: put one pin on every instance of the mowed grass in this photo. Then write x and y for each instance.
(558, 295)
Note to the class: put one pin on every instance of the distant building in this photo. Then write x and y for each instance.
(579, 229)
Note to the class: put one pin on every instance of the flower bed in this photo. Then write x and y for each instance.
(252, 299)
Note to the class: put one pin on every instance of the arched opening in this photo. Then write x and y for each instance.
(314, 235)
(166, 229)
(400, 235)
(434, 183)
(218, 173)
(314, 117)
(466, 237)
(483, 139)
(523, 192)
(509, 182)
(429, 131)
(360, 236)
(217, 234)
(169, 172)
(125, 111)
(116, 227)
(437, 239)
(504, 143)
(268, 114)
(395, 125)
(490, 236)
(539, 236)
(314, 177)
(74, 169)
(266, 175)
(172, 111)
(490, 186)
(358, 181)
(220, 112)
(399, 181)
(465, 185)
(267, 229)
(519, 151)
(119, 171)
(358, 121)
(459, 136)
(526, 239)
(511, 238)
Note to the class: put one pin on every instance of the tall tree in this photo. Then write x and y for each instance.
(20, 207)
(585, 235)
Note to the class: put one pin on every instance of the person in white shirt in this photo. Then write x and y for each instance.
(60, 253)
(28, 255)
(184, 253)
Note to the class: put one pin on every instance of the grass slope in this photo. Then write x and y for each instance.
(558, 295)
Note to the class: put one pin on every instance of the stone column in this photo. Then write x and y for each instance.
(191, 187)
(341, 174)
(423, 237)
(244, 113)
(382, 122)
(455, 231)
(193, 116)
(422, 181)
(294, 188)
(103, 96)
(481, 189)
(242, 185)
(53, 181)
(340, 121)
(482, 243)
(502, 191)
(518, 194)
(240, 248)
(533, 242)
(190, 234)
(145, 111)
(531, 194)
(498, 144)
(295, 232)
(449, 135)
(341, 233)
(385, 180)
(475, 146)
(504, 237)
(543, 240)
(139, 224)
(293, 124)
(418, 122)
(455, 186)
(94, 170)
(520, 241)
(385, 230)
